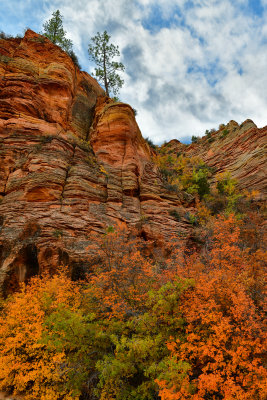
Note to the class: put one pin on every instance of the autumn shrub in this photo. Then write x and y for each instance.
(30, 362)
(136, 330)
(139, 311)
(224, 346)
(122, 275)
(49, 341)
(215, 203)
(225, 197)
(193, 176)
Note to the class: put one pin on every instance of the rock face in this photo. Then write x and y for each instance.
(72, 162)
(241, 150)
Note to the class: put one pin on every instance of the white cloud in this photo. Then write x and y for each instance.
(197, 64)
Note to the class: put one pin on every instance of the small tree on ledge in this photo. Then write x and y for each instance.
(53, 30)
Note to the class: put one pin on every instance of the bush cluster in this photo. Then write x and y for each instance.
(192, 329)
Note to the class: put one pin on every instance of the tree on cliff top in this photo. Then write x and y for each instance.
(53, 30)
(102, 53)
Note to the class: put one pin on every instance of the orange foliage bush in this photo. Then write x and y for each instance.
(122, 277)
(225, 342)
(106, 338)
(27, 364)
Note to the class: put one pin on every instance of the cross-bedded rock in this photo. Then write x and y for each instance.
(72, 162)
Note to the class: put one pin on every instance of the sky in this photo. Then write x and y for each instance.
(190, 65)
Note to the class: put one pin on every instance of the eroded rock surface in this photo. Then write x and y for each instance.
(239, 149)
(56, 189)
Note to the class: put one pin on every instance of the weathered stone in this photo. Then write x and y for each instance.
(72, 162)
(241, 150)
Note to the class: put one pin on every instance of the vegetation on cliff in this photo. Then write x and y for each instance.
(53, 30)
(102, 53)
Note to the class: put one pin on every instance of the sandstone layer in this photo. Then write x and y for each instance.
(72, 162)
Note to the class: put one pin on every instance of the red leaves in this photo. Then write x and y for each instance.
(123, 276)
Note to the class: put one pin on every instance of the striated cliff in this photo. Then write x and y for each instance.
(239, 149)
(72, 162)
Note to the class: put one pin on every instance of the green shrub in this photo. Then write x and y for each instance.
(46, 139)
(166, 172)
(116, 99)
(171, 187)
(224, 133)
(194, 139)
(174, 213)
(58, 233)
(150, 142)
(201, 179)
(191, 218)
(208, 133)
(4, 36)
(211, 139)
(74, 58)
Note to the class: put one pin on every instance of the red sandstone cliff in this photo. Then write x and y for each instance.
(72, 162)
(241, 150)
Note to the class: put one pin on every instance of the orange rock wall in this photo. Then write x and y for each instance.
(72, 162)
(242, 152)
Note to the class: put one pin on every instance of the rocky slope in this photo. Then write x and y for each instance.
(72, 162)
(239, 149)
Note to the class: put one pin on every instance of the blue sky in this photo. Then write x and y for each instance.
(189, 64)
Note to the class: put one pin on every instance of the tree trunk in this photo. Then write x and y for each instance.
(105, 73)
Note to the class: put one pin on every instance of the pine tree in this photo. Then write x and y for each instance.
(53, 30)
(102, 53)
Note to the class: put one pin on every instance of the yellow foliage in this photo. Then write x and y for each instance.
(102, 170)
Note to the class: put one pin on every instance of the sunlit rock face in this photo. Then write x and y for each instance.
(72, 162)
